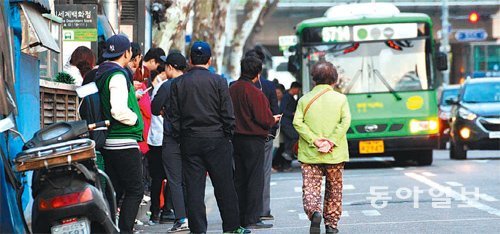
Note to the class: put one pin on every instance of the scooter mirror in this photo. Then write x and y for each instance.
(86, 90)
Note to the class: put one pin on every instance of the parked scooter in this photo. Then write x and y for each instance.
(69, 196)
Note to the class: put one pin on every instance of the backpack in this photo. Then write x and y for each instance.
(91, 111)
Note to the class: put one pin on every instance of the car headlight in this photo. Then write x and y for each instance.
(424, 125)
(466, 114)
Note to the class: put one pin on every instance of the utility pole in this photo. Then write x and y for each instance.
(445, 43)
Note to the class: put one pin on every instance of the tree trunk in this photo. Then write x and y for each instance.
(221, 9)
(252, 11)
(203, 25)
(171, 32)
(263, 16)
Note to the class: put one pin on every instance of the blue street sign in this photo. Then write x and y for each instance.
(471, 35)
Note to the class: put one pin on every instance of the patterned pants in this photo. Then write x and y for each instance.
(312, 175)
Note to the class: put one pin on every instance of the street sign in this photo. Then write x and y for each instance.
(471, 35)
(79, 22)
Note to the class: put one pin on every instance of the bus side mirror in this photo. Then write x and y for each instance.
(292, 49)
(293, 66)
(442, 61)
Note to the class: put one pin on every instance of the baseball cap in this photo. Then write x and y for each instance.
(116, 45)
(201, 49)
(176, 60)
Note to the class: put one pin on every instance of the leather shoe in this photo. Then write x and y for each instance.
(259, 225)
(331, 230)
(315, 223)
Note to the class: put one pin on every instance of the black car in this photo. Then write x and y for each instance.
(475, 122)
(447, 92)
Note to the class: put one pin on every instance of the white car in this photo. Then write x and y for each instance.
(280, 72)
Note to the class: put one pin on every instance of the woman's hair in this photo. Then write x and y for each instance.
(324, 73)
(84, 59)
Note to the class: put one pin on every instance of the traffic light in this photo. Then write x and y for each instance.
(473, 17)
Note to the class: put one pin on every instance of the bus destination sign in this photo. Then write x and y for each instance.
(371, 32)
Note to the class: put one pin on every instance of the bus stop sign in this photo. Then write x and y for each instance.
(471, 35)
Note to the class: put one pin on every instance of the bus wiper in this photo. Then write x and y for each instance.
(387, 85)
(358, 74)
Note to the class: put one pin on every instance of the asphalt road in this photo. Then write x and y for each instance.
(448, 197)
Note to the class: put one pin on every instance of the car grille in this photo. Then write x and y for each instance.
(492, 127)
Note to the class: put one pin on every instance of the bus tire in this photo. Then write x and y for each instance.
(457, 151)
(423, 157)
(401, 157)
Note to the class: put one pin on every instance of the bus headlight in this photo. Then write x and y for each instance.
(466, 114)
(424, 125)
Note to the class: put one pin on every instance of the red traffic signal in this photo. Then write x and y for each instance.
(473, 17)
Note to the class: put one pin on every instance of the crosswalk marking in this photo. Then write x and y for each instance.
(303, 216)
(297, 189)
(349, 187)
(273, 183)
(426, 173)
(486, 197)
(292, 211)
(398, 168)
(454, 184)
(371, 212)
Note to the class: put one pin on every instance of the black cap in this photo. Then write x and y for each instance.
(176, 60)
(116, 45)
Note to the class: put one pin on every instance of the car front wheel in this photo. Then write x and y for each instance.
(423, 157)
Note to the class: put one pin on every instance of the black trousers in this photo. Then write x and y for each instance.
(212, 155)
(157, 173)
(172, 164)
(249, 176)
(124, 168)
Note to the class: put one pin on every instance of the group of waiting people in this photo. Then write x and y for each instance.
(200, 126)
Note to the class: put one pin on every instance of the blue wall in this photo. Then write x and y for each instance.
(27, 96)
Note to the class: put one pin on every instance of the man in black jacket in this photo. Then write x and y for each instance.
(202, 119)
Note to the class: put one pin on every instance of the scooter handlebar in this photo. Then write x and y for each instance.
(102, 124)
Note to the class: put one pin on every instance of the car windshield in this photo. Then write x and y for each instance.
(371, 67)
(482, 92)
(447, 94)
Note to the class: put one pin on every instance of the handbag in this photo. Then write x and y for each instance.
(295, 147)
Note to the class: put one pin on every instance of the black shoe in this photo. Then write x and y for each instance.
(167, 217)
(315, 223)
(259, 225)
(179, 226)
(331, 230)
(267, 217)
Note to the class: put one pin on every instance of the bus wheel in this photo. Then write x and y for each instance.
(423, 157)
(401, 157)
(457, 151)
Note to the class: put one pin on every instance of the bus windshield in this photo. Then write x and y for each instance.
(374, 67)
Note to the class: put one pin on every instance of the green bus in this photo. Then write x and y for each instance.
(385, 61)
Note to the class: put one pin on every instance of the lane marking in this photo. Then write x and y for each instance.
(370, 212)
(273, 183)
(430, 174)
(297, 189)
(486, 197)
(303, 217)
(349, 187)
(292, 211)
(453, 184)
(293, 228)
(345, 214)
(481, 161)
(453, 194)
(420, 221)
(398, 168)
